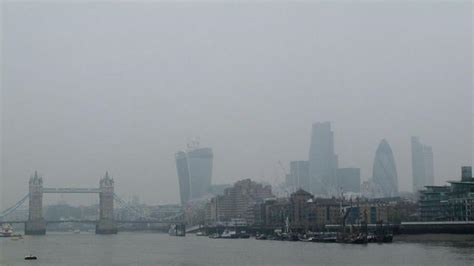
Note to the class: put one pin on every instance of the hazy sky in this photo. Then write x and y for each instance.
(90, 87)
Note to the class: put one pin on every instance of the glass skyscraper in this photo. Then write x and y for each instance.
(183, 176)
(384, 174)
(194, 168)
(200, 171)
(422, 164)
(323, 162)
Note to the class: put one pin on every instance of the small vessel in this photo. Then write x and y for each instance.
(16, 237)
(358, 239)
(261, 237)
(214, 236)
(30, 257)
(77, 231)
(243, 234)
(229, 234)
(306, 239)
(388, 238)
(6, 230)
(271, 237)
(177, 230)
(290, 237)
(200, 233)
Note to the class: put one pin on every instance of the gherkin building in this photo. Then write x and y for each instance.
(385, 171)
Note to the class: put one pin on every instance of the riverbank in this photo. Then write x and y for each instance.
(434, 238)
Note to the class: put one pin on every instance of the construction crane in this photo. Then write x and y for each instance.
(285, 174)
(283, 168)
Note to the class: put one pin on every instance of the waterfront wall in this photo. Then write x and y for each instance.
(458, 227)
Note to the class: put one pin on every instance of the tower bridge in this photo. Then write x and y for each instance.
(36, 224)
(106, 224)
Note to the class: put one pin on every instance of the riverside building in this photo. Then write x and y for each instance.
(449, 203)
(237, 202)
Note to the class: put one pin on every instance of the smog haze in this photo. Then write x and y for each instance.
(121, 87)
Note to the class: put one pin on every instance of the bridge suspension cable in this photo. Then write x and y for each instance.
(14, 207)
(121, 202)
(127, 206)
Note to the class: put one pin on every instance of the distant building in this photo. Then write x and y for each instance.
(434, 203)
(384, 173)
(348, 179)
(302, 212)
(200, 171)
(367, 188)
(298, 176)
(218, 189)
(323, 162)
(183, 176)
(449, 203)
(237, 202)
(422, 164)
(298, 205)
(272, 213)
(194, 169)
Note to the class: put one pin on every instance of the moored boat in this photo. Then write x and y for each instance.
(215, 236)
(229, 234)
(6, 230)
(243, 234)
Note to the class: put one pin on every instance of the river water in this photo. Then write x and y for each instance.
(161, 249)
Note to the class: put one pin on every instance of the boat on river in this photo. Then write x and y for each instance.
(229, 234)
(30, 257)
(6, 230)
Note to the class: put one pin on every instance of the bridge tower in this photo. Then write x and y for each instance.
(106, 224)
(36, 224)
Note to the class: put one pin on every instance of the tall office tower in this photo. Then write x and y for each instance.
(183, 176)
(299, 175)
(194, 168)
(385, 171)
(322, 160)
(348, 179)
(200, 171)
(422, 164)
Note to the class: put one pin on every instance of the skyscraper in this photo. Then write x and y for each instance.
(200, 171)
(385, 171)
(348, 179)
(299, 175)
(322, 159)
(194, 168)
(422, 164)
(183, 176)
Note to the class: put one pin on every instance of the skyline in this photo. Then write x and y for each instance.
(93, 87)
(382, 144)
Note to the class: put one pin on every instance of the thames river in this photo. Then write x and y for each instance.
(161, 249)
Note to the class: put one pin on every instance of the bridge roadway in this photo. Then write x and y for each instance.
(71, 190)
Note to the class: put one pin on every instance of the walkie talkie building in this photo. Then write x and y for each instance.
(194, 168)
